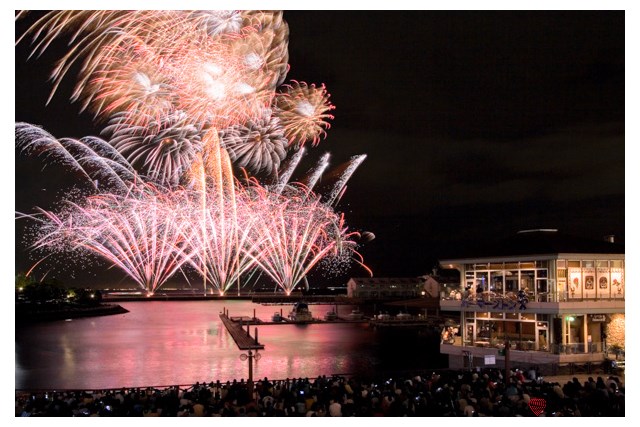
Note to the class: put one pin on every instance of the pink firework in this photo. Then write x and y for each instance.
(159, 61)
(303, 111)
(142, 233)
(295, 232)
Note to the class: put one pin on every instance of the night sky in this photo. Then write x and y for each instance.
(475, 124)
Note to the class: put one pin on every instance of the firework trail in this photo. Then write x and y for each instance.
(220, 229)
(317, 172)
(288, 169)
(94, 158)
(338, 189)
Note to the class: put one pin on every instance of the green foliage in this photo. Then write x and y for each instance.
(616, 349)
(43, 293)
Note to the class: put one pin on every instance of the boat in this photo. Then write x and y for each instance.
(403, 316)
(383, 316)
(355, 315)
(277, 317)
(331, 315)
(300, 312)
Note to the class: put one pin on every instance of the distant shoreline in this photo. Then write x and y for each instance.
(30, 313)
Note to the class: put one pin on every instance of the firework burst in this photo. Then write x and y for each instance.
(184, 93)
(296, 231)
(142, 233)
(258, 145)
(155, 61)
(163, 150)
(303, 110)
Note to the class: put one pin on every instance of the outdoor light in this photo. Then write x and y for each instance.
(571, 318)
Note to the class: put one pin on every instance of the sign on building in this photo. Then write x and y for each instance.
(489, 360)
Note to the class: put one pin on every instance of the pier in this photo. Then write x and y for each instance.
(242, 337)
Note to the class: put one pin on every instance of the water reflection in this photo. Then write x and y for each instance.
(162, 343)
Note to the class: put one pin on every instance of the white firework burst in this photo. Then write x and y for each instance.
(163, 150)
(258, 146)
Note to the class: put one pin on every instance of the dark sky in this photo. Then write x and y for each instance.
(475, 124)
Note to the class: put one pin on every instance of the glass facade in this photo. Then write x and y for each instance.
(502, 279)
(545, 280)
(492, 316)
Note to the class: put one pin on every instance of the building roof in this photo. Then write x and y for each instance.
(538, 242)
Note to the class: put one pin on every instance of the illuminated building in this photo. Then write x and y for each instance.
(551, 298)
(385, 287)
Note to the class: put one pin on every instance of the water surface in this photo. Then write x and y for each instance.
(162, 343)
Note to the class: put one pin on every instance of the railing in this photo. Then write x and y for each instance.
(577, 348)
(489, 297)
(529, 345)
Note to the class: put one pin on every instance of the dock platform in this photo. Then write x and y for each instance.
(243, 340)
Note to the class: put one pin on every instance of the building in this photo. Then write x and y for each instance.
(385, 287)
(551, 298)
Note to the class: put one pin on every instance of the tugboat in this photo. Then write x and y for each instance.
(300, 313)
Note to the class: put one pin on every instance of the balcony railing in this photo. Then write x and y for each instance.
(528, 345)
(577, 348)
(539, 297)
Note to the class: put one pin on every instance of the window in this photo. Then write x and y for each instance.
(526, 280)
(482, 282)
(497, 281)
(511, 280)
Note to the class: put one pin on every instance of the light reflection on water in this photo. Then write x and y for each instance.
(180, 342)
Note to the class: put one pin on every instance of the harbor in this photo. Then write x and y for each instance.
(331, 317)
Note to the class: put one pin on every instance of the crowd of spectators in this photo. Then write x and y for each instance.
(481, 392)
